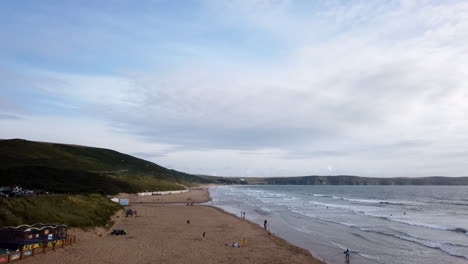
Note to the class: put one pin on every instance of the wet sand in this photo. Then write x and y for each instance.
(160, 234)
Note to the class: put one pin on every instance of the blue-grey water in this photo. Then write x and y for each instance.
(379, 224)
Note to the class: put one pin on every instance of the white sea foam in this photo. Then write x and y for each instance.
(359, 210)
(449, 248)
(321, 195)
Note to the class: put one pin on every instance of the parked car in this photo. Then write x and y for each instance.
(9, 193)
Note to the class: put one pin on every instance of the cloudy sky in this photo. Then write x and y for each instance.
(244, 87)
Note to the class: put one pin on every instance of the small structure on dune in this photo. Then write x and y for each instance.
(161, 193)
(25, 237)
(123, 201)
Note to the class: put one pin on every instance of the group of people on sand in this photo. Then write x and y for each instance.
(237, 245)
(190, 201)
(242, 215)
(131, 212)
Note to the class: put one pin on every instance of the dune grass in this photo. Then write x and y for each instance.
(85, 211)
(75, 182)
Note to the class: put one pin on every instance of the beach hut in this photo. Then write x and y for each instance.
(28, 237)
(123, 202)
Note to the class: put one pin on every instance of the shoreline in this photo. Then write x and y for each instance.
(164, 232)
(275, 238)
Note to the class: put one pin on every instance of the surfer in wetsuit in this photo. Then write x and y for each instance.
(347, 253)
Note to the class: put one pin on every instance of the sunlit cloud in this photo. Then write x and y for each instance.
(374, 89)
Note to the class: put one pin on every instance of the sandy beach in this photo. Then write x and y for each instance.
(160, 234)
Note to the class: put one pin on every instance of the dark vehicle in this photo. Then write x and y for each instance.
(9, 193)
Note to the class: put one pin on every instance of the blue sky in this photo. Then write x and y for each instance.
(244, 87)
(112, 36)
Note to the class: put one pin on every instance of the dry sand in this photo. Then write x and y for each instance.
(160, 234)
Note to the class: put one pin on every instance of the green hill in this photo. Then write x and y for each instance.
(79, 176)
(72, 168)
(75, 181)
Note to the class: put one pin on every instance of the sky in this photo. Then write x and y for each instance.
(244, 87)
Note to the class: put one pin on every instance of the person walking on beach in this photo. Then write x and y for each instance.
(347, 253)
(265, 223)
(135, 213)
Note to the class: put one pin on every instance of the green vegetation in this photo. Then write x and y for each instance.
(86, 174)
(73, 168)
(74, 181)
(224, 180)
(74, 210)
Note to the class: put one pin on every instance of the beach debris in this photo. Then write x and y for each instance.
(244, 242)
(203, 235)
(188, 221)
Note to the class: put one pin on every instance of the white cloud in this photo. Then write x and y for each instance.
(374, 89)
(82, 131)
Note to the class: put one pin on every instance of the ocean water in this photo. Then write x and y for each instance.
(379, 224)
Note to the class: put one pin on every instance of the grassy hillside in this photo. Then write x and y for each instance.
(223, 180)
(85, 172)
(60, 164)
(73, 210)
(75, 181)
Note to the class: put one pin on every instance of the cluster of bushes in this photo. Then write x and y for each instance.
(89, 210)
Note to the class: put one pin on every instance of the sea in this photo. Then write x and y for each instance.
(378, 224)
